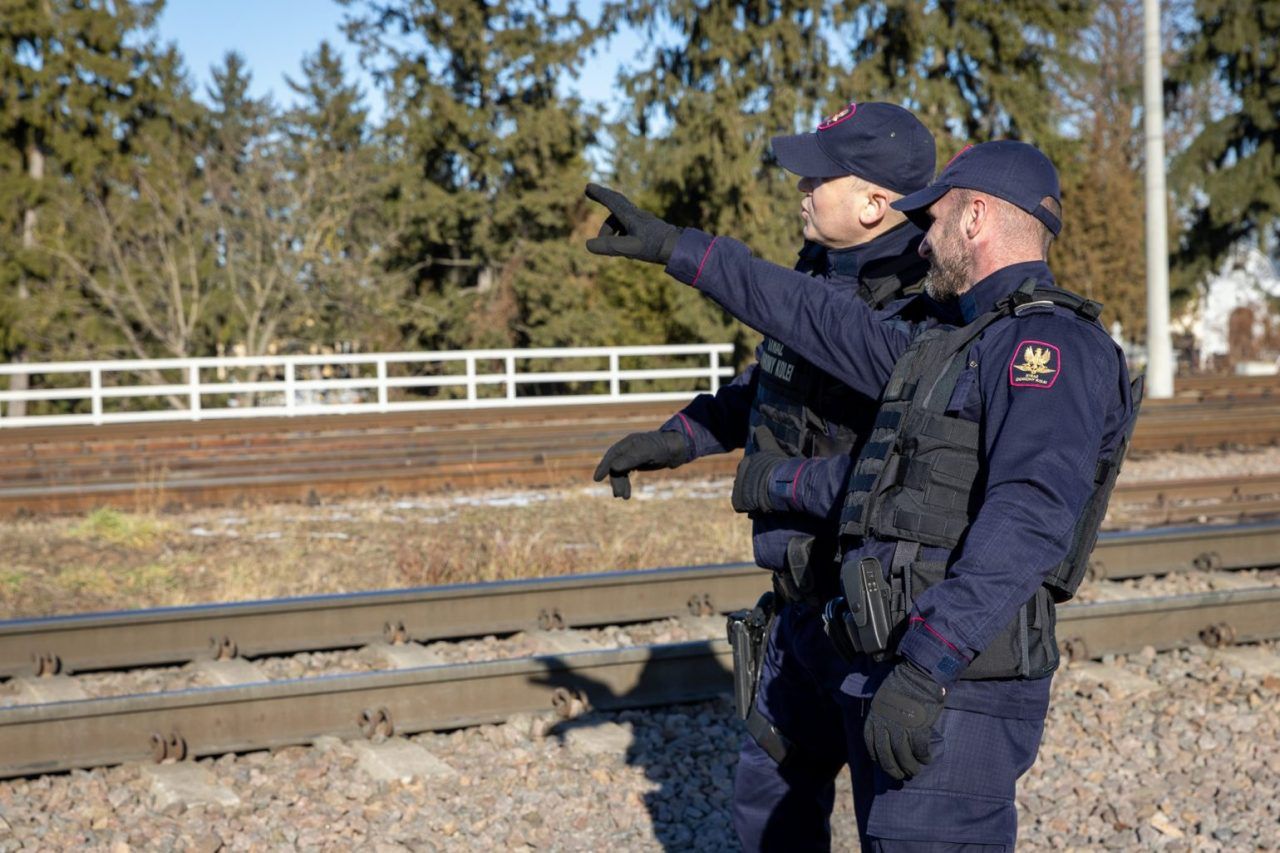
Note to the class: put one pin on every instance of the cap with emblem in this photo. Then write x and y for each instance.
(1014, 171)
(880, 143)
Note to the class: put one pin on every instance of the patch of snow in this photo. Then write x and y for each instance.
(518, 499)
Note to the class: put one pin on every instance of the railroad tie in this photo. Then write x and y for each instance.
(187, 784)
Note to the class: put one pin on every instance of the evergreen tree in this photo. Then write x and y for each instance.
(73, 89)
(136, 239)
(1229, 175)
(340, 223)
(724, 78)
(285, 211)
(971, 71)
(1100, 250)
(488, 159)
(234, 226)
(237, 120)
(332, 114)
(730, 77)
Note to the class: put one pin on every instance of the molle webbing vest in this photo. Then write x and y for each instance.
(808, 412)
(917, 480)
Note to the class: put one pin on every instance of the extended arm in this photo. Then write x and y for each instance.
(831, 327)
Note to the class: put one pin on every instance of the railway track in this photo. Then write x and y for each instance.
(159, 466)
(1190, 501)
(40, 738)
(164, 465)
(1213, 387)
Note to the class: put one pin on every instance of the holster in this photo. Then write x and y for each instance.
(861, 622)
(749, 635)
(748, 632)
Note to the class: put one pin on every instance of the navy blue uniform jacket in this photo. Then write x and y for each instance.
(1050, 391)
(810, 489)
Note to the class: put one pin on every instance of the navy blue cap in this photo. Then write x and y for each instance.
(1014, 171)
(880, 143)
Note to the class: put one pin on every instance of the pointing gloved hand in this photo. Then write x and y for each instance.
(630, 232)
(640, 451)
(755, 472)
(901, 719)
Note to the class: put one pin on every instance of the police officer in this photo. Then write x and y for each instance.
(799, 427)
(1005, 409)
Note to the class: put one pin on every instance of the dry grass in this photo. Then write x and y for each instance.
(109, 560)
(112, 560)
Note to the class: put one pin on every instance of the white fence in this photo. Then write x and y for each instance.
(195, 389)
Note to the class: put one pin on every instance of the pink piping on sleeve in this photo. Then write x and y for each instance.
(796, 479)
(705, 255)
(929, 628)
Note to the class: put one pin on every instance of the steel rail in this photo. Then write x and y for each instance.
(38, 739)
(224, 433)
(63, 470)
(418, 468)
(268, 464)
(178, 634)
(1124, 554)
(1223, 512)
(1244, 487)
(92, 641)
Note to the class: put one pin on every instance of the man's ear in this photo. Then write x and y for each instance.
(872, 208)
(977, 216)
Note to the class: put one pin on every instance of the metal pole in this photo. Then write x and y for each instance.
(1159, 348)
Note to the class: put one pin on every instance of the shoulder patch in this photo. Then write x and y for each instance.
(1035, 364)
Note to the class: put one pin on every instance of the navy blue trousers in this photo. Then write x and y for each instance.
(963, 800)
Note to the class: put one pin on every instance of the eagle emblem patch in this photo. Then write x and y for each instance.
(1034, 365)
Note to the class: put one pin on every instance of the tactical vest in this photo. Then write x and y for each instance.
(808, 412)
(917, 481)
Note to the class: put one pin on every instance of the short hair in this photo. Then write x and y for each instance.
(1022, 228)
(861, 183)
(1052, 205)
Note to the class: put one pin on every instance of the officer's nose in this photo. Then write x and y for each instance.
(923, 249)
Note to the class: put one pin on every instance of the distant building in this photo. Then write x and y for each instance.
(1235, 324)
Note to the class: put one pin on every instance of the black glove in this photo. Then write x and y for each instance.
(755, 471)
(630, 232)
(901, 718)
(640, 451)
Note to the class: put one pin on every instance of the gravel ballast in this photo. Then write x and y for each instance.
(1172, 751)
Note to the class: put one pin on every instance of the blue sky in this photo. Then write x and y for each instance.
(274, 35)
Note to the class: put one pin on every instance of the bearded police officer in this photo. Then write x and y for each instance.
(799, 427)
(1004, 413)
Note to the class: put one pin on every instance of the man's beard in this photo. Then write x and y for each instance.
(945, 284)
(950, 268)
